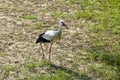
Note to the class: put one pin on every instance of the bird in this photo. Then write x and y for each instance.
(51, 36)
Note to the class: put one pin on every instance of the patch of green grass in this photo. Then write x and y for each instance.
(99, 42)
(38, 26)
(116, 30)
(97, 16)
(109, 59)
(59, 75)
(28, 17)
(103, 72)
(75, 2)
(100, 54)
(30, 65)
(43, 63)
(83, 14)
(116, 47)
(75, 65)
(8, 69)
(60, 15)
(53, 72)
(98, 28)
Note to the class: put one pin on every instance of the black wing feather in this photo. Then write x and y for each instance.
(40, 39)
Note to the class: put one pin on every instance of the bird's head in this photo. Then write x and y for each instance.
(61, 23)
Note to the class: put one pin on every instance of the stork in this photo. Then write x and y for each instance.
(51, 36)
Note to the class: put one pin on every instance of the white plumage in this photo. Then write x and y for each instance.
(51, 36)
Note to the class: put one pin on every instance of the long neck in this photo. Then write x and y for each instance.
(60, 28)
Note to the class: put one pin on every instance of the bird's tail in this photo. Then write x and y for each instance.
(39, 38)
(37, 41)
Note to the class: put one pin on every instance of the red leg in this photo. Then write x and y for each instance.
(50, 51)
(42, 51)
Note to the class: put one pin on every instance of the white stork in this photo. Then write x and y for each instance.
(51, 36)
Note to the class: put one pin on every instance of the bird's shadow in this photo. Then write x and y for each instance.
(74, 74)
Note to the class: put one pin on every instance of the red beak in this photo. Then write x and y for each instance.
(65, 25)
